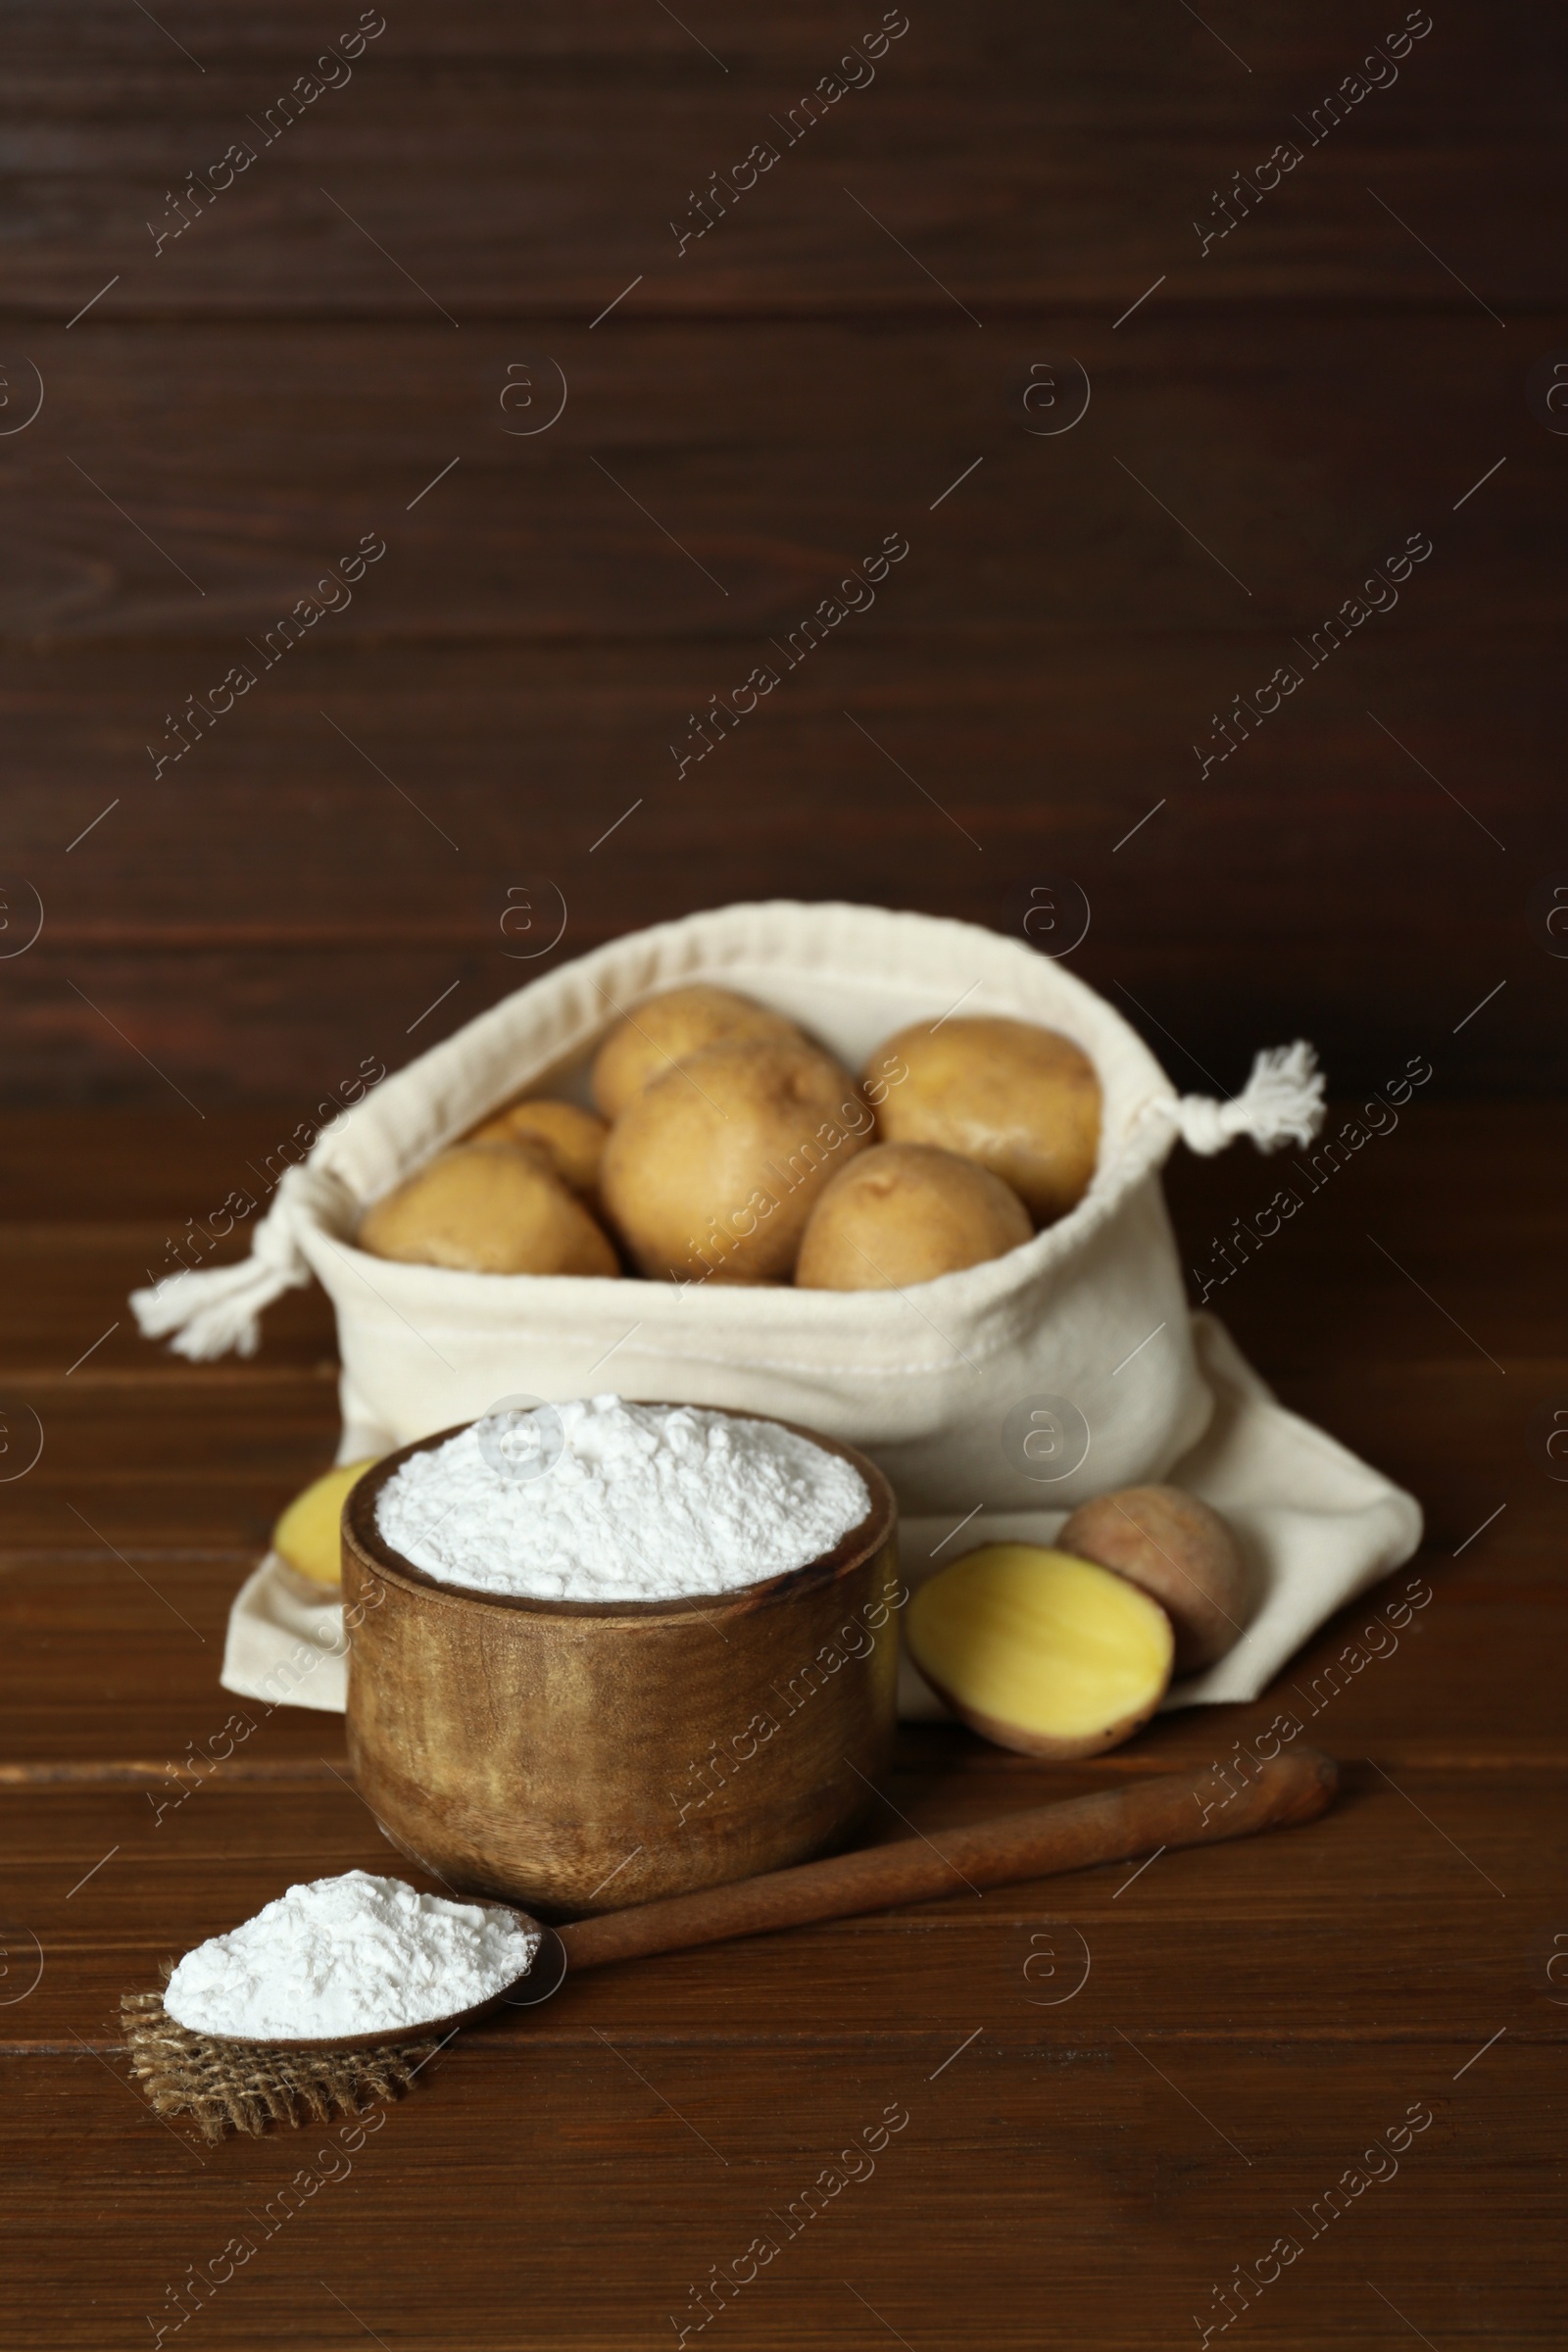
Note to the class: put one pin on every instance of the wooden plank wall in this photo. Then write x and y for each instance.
(247, 372)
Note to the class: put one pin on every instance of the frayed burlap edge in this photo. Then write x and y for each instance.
(226, 2088)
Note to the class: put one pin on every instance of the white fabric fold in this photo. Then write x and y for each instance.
(1317, 1525)
(284, 1647)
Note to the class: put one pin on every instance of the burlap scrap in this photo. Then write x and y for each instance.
(226, 2087)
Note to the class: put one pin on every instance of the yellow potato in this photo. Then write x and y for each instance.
(906, 1212)
(489, 1208)
(571, 1138)
(307, 1534)
(1176, 1548)
(662, 1030)
(1019, 1098)
(711, 1171)
(1051, 1656)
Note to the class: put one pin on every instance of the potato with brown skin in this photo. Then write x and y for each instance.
(906, 1212)
(488, 1208)
(711, 1171)
(1042, 1652)
(1020, 1098)
(663, 1030)
(572, 1139)
(1180, 1552)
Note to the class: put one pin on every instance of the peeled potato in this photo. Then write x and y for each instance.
(1041, 1652)
(1019, 1098)
(902, 1213)
(571, 1139)
(307, 1534)
(1179, 1550)
(666, 1029)
(712, 1170)
(489, 1208)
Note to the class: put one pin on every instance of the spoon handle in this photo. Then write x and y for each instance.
(1183, 1808)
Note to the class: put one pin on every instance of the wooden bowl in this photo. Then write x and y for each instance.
(579, 1756)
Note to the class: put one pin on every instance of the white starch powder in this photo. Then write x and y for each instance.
(348, 1955)
(602, 1500)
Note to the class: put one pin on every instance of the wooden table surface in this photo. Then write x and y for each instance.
(337, 344)
(1100, 2095)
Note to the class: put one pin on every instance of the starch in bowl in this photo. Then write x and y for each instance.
(600, 1500)
(343, 1957)
(604, 1651)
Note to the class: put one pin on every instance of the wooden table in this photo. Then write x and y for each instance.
(1117, 2086)
(357, 334)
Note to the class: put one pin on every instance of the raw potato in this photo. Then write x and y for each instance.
(1019, 1098)
(571, 1139)
(712, 1172)
(1040, 1652)
(307, 1534)
(666, 1029)
(1178, 1550)
(906, 1212)
(488, 1208)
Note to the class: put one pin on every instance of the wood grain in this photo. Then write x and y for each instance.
(234, 410)
(225, 940)
(1185, 2060)
(810, 440)
(231, 944)
(1116, 139)
(1085, 2148)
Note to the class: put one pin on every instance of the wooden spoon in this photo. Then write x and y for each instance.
(1180, 1808)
